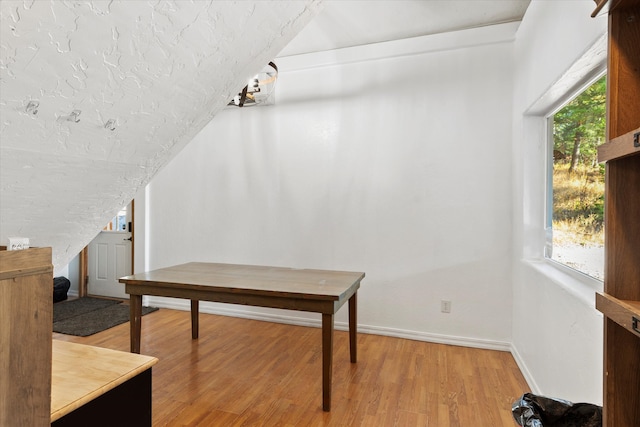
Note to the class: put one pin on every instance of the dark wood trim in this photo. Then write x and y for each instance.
(133, 236)
(84, 272)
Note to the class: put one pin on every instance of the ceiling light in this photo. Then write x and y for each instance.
(258, 89)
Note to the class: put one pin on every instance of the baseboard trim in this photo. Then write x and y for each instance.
(436, 338)
(525, 371)
(184, 305)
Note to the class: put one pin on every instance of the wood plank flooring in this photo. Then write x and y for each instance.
(251, 373)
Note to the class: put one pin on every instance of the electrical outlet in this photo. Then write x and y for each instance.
(445, 306)
(18, 243)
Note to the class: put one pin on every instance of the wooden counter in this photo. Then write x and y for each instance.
(83, 376)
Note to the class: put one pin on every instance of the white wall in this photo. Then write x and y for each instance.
(398, 166)
(557, 333)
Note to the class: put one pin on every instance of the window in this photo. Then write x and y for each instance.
(575, 192)
(119, 222)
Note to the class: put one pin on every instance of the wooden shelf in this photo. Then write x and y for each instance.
(621, 146)
(620, 301)
(620, 311)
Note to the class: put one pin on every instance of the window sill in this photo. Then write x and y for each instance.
(582, 286)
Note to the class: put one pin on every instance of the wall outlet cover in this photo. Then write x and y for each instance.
(18, 243)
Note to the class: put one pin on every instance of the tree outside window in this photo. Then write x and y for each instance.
(578, 182)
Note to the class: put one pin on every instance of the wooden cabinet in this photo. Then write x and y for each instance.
(26, 307)
(620, 302)
(99, 387)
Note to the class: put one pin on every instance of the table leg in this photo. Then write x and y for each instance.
(195, 324)
(353, 327)
(327, 360)
(135, 320)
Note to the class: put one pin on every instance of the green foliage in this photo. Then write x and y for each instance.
(578, 179)
(582, 121)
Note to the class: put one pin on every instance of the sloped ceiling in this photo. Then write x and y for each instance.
(145, 77)
(348, 23)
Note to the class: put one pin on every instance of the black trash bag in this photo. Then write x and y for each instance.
(61, 286)
(538, 411)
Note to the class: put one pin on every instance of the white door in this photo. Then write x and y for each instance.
(109, 258)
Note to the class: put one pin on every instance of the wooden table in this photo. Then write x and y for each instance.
(99, 387)
(320, 291)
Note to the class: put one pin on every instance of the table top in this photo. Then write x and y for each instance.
(81, 373)
(252, 279)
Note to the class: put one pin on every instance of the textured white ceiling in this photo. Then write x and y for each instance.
(159, 70)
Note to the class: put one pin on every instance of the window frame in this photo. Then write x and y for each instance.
(562, 101)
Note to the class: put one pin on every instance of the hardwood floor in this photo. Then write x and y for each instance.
(250, 373)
